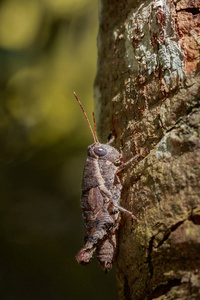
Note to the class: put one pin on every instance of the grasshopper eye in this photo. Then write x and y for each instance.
(100, 151)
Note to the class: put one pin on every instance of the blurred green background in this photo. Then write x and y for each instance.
(47, 50)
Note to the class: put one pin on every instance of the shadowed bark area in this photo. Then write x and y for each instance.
(147, 94)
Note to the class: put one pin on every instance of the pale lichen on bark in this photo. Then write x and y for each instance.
(155, 44)
(148, 89)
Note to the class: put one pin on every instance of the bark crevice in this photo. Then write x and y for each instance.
(164, 288)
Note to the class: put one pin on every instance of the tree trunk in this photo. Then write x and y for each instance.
(147, 94)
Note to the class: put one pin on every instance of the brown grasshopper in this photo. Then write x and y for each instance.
(101, 191)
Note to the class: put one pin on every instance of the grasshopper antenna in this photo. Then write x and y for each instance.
(95, 128)
(94, 136)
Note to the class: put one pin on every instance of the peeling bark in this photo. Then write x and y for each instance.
(147, 93)
(188, 29)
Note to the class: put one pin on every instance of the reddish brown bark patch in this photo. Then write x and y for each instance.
(188, 28)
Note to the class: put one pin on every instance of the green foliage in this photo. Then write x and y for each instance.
(47, 50)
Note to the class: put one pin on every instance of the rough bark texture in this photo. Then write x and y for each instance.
(147, 93)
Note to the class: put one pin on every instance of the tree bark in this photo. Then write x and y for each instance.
(147, 94)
